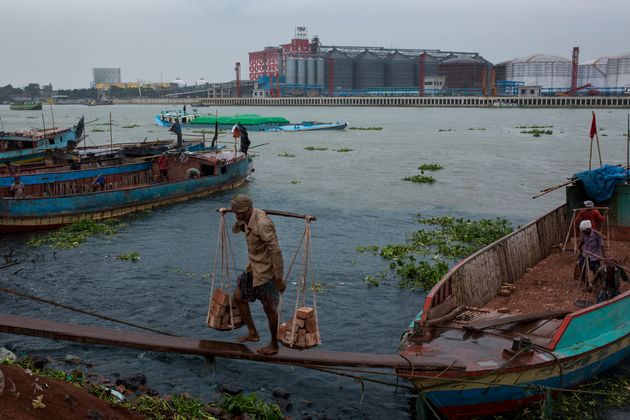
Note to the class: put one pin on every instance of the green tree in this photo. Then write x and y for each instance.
(33, 90)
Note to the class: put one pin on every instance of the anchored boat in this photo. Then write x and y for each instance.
(510, 321)
(252, 122)
(66, 197)
(26, 146)
(310, 126)
(26, 106)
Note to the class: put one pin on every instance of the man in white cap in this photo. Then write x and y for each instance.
(591, 246)
(263, 279)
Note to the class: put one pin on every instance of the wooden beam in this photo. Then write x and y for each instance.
(483, 324)
(209, 348)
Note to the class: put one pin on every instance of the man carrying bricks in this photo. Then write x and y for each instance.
(263, 279)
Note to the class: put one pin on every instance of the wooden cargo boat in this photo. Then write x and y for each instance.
(252, 122)
(66, 197)
(310, 126)
(503, 350)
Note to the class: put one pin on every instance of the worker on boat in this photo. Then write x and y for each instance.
(590, 248)
(263, 278)
(17, 188)
(609, 278)
(589, 212)
(98, 183)
(163, 167)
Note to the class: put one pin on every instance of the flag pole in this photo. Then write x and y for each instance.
(590, 155)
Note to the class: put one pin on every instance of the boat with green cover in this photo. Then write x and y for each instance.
(26, 106)
(253, 122)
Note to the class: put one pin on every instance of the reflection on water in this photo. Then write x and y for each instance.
(358, 198)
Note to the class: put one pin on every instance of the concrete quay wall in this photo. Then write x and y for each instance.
(432, 101)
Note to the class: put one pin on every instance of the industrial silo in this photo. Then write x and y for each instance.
(369, 71)
(547, 71)
(430, 67)
(301, 71)
(398, 71)
(291, 71)
(341, 67)
(618, 73)
(310, 71)
(320, 70)
(595, 72)
(464, 72)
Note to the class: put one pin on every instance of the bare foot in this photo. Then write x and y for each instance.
(250, 337)
(270, 350)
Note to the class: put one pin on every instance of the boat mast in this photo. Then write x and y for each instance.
(111, 141)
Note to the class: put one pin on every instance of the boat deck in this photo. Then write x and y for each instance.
(550, 285)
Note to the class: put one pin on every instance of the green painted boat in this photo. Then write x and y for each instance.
(253, 122)
(26, 106)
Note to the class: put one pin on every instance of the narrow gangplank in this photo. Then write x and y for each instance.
(54, 330)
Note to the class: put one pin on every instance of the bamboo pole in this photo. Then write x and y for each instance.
(599, 152)
(277, 213)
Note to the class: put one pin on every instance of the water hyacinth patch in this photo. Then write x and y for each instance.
(420, 179)
(425, 257)
(313, 148)
(73, 235)
(430, 167)
(286, 154)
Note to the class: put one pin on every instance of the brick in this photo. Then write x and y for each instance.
(238, 321)
(311, 339)
(225, 318)
(311, 325)
(214, 322)
(287, 337)
(216, 309)
(299, 322)
(220, 296)
(301, 334)
(305, 312)
(301, 342)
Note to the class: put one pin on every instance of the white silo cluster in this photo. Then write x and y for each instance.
(605, 72)
(548, 71)
(304, 70)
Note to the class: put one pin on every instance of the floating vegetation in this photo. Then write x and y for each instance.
(425, 257)
(134, 125)
(344, 150)
(252, 405)
(375, 280)
(420, 179)
(445, 129)
(311, 148)
(180, 406)
(534, 126)
(478, 129)
(366, 128)
(98, 130)
(132, 256)
(294, 181)
(537, 133)
(430, 167)
(318, 287)
(286, 154)
(73, 235)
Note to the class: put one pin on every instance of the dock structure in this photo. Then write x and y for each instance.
(431, 101)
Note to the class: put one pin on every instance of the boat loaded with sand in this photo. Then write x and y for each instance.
(26, 106)
(509, 325)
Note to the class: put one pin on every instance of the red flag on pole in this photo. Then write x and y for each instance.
(593, 127)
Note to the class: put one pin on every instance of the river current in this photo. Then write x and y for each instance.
(490, 169)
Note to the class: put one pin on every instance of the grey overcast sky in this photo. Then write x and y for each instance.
(60, 41)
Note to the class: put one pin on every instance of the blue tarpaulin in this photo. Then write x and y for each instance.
(600, 183)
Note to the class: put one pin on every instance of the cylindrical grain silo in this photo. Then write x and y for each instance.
(291, 71)
(430, 67)
(398, 71)
(310, 71)
(341, 67)
(320, 71)
(301, 71)
(464, 72)
(369, 71)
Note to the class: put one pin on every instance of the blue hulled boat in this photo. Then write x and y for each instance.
(309, 126)
(510, 325)
(56, 199)
(27, 146)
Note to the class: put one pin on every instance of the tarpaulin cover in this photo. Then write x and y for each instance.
(600, 183)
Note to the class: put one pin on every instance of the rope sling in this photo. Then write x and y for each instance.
(301, 330)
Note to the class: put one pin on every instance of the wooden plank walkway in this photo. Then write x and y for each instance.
(481, 324)
(54, 330)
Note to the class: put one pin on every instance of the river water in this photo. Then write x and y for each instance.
(490, 170)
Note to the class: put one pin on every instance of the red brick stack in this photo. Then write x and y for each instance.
(219, 312)
(306, 331)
